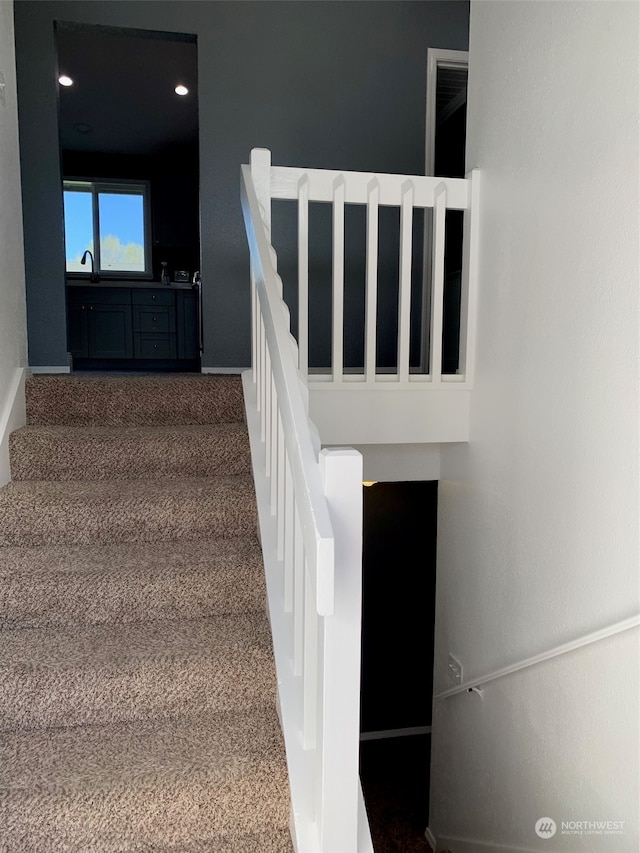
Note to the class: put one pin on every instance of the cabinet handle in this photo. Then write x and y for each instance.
(90, 307)
(155, 346)
(153, 296)
(83, 307)
(153, 319)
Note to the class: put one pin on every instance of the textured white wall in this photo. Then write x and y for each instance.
(538, 515)
(13, 329)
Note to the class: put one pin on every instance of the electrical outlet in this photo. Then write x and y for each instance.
(455, 669)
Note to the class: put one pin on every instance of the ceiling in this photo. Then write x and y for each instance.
(123, 90)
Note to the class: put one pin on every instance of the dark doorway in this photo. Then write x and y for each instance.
(399, 570)
(399, 561)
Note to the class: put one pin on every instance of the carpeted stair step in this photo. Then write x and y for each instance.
(129, 453)
(138, 400)
(215, 783)
(86, 512)
(130, 582)
(81, 676)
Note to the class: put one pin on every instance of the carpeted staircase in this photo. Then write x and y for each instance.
(137, 684)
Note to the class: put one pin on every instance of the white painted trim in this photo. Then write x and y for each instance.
(365, 844)
(435, 56)
(386, 415)
(472, 845)
(12, 417)
(227, 370)
(431, 839)
(357, 380)
(50, 368)
(285, 182)
(387, 734)
(565, 648)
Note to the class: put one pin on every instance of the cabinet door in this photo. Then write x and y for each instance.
(77, 330)
(188, 343)
(110, 334)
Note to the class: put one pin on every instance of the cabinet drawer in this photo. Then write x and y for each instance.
(154, 319)
(95, 296)
(153, 297)
(155, 346)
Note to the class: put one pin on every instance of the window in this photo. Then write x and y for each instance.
(111, 220)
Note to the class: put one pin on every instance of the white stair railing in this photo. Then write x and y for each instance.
(407, 193)
(310, 515)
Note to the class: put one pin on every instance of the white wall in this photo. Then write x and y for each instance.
(394, 463)
(13, 329)
(538, 515)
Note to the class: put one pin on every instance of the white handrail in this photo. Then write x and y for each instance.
(310, 514)
(557, 651)
(314, 516)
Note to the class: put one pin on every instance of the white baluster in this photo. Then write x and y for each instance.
(281, 495)
(297, 603)
(437, 282)
(289, 535)
(404, 298)
(371, 290)
(303, 275)
(310, 668)
(273, 434)
(337, 363)
(262, 391)
(267, 412)
(254, 328)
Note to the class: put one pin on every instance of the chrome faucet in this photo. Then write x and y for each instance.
(94, 275)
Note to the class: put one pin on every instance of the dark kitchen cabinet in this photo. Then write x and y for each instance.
(132, 327)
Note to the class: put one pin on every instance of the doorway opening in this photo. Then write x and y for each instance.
(445, 140)
(398, 606)
(129, 155)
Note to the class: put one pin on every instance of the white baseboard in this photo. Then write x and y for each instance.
(431, 839)
(50, 368)
(12, 416)
(383, 734)
(471, 845)
(233, 370)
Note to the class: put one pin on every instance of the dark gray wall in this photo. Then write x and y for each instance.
(324, 84)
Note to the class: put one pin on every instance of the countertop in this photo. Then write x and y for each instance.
(129, 283)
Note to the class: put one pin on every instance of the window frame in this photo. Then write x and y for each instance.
(95, 186)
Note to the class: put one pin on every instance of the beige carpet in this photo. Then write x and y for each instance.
(137, 707)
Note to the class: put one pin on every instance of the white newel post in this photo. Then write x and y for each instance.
(341, 470)
(260, 163)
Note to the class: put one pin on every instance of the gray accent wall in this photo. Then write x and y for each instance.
(322, 84)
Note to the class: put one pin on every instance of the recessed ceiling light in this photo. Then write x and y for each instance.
(181, 90)
(64, 80)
